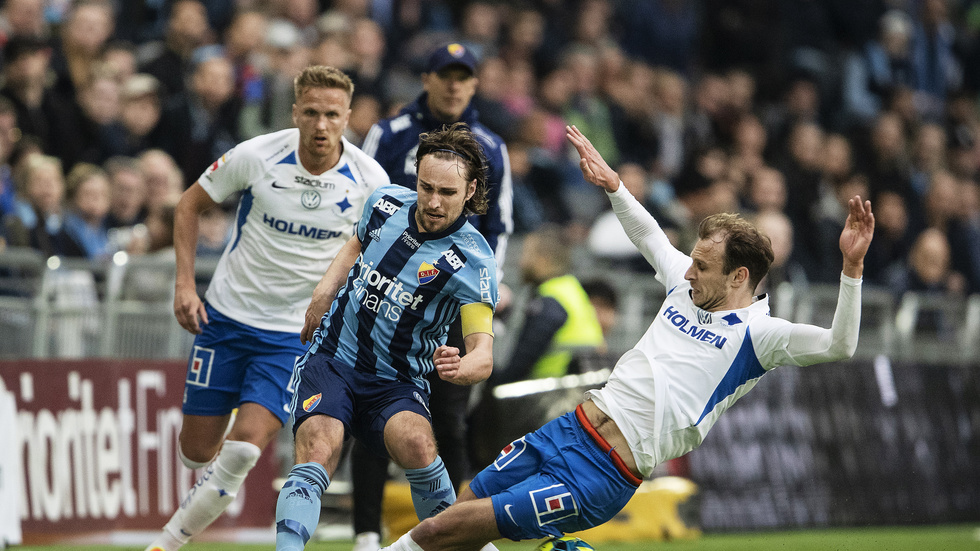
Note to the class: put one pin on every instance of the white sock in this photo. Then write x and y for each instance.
(210, 496)
(404, 543)
(190, 463)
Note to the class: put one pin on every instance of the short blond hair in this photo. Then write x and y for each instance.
(322, 76)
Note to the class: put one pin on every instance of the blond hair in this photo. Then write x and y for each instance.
(321, 76)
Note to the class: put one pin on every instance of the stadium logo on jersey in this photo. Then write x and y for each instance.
(311, 402)
(310, 199)
(510, 452)
(553, 503)
(485, 294)
(303, 180)
(685, 326)
(427, 272)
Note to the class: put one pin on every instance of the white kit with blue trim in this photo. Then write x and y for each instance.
(691, 365)
(289, 226)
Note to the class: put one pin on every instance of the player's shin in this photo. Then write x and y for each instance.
(210, 496)
(432, 491)
(298, 507)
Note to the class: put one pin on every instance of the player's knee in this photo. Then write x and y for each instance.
(437, 528)
(415, 452)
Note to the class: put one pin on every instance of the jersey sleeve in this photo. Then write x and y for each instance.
(480, 284)
(644, 231)
(233, 172)
(779, 342)
(362, 224)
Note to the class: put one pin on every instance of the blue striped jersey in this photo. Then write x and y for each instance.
(404, 289)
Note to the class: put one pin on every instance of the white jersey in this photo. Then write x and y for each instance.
(289, 226)
(691, 365)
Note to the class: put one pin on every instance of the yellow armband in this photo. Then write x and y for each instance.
(477, 317)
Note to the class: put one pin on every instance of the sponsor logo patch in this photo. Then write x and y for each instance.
(553, 503)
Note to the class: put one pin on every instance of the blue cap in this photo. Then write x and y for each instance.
(451, 54)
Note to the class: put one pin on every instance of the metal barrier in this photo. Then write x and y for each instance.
(70, 308)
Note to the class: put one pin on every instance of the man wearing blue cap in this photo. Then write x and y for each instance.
(449, 83)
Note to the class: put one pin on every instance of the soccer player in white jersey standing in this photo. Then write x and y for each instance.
(302, 192)
(709, 344)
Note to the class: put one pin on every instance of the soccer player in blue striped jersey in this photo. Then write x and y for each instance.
(412, 266)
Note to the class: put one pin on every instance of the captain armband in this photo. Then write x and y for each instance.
(476, 317)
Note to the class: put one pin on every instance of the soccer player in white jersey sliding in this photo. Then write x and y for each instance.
(302, 192)
(709, 344)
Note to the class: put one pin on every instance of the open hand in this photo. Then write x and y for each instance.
(594, 167)
(856, 236)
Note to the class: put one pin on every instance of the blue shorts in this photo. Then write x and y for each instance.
(363, 402)
(553, 481)
(233, 363)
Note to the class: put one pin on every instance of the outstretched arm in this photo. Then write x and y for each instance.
(809, 344)
(642, 229)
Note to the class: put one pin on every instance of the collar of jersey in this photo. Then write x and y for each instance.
(426, 236)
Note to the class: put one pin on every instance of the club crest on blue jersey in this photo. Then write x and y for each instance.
(553, 503)
(510, 452)
(310, 199)
(427, 272)
(312, 402)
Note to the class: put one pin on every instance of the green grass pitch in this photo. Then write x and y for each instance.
(926, 538)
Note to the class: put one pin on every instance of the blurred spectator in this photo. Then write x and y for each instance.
(605, 301)
(169, 60)
(368, 49)
(100, 134)
(23, 18)
(84, 32)
(88, 195)
(559, 320)
(42, 227)
(893, 237)
(928, 269)
(119, 58)
(928, 156)
(800, 104)
(766, 191)
(936, 71)
(164, 181)
(661, 32)
(874, 74)
(127, 205)
(202, 121)
(365, 112)
(158, 239)
(491, 94)
(141, 115)
(269, 106)
(25, 74)
(480, 28)
(886, 163)
(243, 44)
(9, 134)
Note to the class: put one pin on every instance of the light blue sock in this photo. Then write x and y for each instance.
(432, 491)
(298, 507)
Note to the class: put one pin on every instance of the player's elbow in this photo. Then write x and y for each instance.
(842, 349)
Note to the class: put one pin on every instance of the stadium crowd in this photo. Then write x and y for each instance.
(782, 110)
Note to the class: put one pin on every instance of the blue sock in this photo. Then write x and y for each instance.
(432, 491)
(298, 508)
